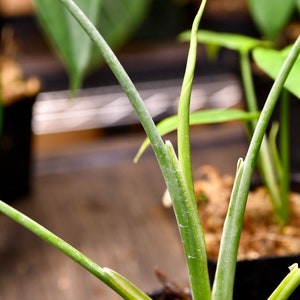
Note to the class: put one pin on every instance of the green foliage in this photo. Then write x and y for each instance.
(231, 41)
(244, 45)
(298, 5)
(271, 60)
(117, 20)
(201, 117)
(227, 255)
(271, 16)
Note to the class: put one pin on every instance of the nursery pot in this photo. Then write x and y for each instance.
(258, 278)
(15, 149)
(17, 97)
(254, 278)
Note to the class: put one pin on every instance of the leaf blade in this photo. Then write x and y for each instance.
(231, 41)
(271, 16)
(270, 61)
(72, 43)
(198, 118)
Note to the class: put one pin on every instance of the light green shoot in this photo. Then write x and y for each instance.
(287, 285)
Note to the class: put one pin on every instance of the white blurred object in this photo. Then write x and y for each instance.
(108, 106)
(166, 199)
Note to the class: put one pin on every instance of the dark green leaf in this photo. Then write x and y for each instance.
(271, 16)
(68, 38)
(298, 6)
(116, 20)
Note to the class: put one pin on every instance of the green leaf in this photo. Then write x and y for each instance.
(271, 16)
(67, 37)
(231, 41)
(298, 6)
(115, 19)
(199, 118)
(270, 61)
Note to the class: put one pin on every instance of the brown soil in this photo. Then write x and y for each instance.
(261, 235)
(170, 290)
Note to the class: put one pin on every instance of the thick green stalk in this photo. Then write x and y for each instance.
(225, 272)
(265, 164)
(184, 151)
(185, 209)
(116, 282)
(191, 233)
(224, 278)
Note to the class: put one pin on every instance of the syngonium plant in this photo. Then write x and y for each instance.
(117, 19)
(271, 16)
(273, 163)
(177, 172)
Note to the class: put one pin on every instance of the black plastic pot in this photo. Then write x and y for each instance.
(258, 278)
(254, 279)
(15, 150)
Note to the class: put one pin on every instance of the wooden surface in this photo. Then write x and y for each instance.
(109, 208)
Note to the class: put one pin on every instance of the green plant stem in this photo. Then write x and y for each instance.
(265, 165)
(225, 272)
(247, 79)
(285, 154)
(224, 278)
(274, 148)
(125, 289)
(185, 209)
(183, 133)
(287, 285)
(192, 235)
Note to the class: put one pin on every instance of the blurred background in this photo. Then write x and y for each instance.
(149, 51)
